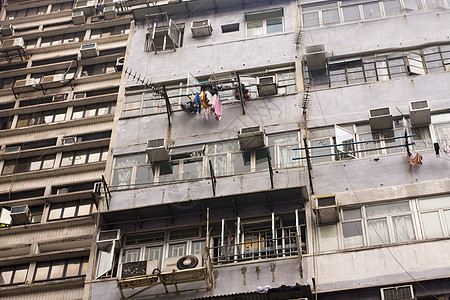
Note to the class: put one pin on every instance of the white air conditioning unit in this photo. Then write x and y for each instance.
(89, 50)
(13, 43)
(251, 138)
(380, 119)
(26, 82)
(180, 263)
(107, 236)
(139, 268)
(110, 12)
(157, 150)
(60, 97)
(419, 112)
(267, 86)
(119, 64)
(69, 140)
(7, 30)
(316, 57)
(78, 18)
(12, 149)
(20, 214)
(397, 292)
(52, 78)
(201, 28)
(326, 209)
(86, 6)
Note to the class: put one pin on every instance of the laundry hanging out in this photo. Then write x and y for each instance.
(413, 160)
(206, 103)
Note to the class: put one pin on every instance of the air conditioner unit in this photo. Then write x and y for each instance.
(380, 119)
(20, 214)
(397, 292)
(78, 18)
(79, 95)
(201, 28)
(267, 86)
(157, 150)
(86, 6)
(251, 138)
(419, 112)
(107, 236)
(7, 30)
(139, 268)
(89, 50)
(52, 78)
(60, 97)
(13, 43)
(25, 82)
(326, 209)
(316, 57)
(62, 191)
(110, 12)
(12, 149)
(69, 140)
(180, 263)
(119, 64)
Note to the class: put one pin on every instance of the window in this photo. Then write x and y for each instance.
(260, 23)
(39, 118)
(7, 83)
(33, 11)
(381, 224)
(62, 39)
(6, 122)
(164, 38)
(93, 110)
(109, 31)
(72, 209)
(230, 27)
(99, 69)
(282, 154)
(84, 156)
(61, 269)
(57, 7)
(13, 275)
(28, 164)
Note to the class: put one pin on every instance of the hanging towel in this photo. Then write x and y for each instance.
(217, 107)
(198, 101)
(417, 160)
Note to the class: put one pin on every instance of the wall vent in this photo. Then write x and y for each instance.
(397, 293)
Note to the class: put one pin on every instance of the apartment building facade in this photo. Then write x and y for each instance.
(59, 85)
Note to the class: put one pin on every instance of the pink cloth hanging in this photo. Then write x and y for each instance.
(217, 107)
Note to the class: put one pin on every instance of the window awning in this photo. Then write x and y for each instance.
(281, 293)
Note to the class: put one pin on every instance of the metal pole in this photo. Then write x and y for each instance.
(207, 228)
(308, 162)
(299, 243)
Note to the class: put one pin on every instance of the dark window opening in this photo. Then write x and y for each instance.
(85, 186)
(22, 194)
(24, 103)
(230, 28)
(54, 60)
(95, 136)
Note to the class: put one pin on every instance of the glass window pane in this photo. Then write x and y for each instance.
(69, 209)
(279, 139)
(311, 19)
(177, 250)
(371, 11)
(328, 238)
(241, 162)
(168, 171)
(67, 159)
(6, 276)
(48, 162)
(255, 28)
(20, 275)
(261, 162)
(78, 113)
(434, 203)
(129, 160)
(131, 255)
(198, 247)
(352, 214)
(351, 13)
(73, 267)
(321, 151)
(274, 25)
(121, 178)
(352, 232)
(192, 168)
(403, 228)
(84, 266)
(447, 219)
(90, 111)
(55, 211)
(222, 147)
(84, 208)
(105, 260)
(431, 225)
(219, 163)
(286, 156)
(34, 166)
(94, 155)
(145, 175)
(80, 157)
(330, 16)
(41, 271)
(378, 231)
(392, 7)
(384, 209)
